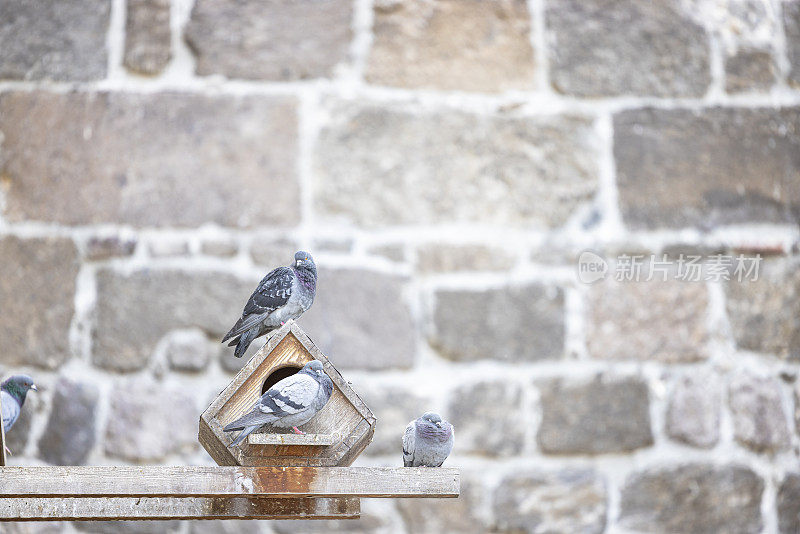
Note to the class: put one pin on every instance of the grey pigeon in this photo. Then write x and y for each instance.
(427, 441)
(285, 293)
(293, 401)
(12, 393)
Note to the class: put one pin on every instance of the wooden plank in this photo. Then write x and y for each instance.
(362, 435)
(283, 482)
(215, 448)
(310, 440)
(139, 508)
(2, 438)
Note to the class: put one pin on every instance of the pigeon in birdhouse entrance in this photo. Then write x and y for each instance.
(427, 441)
(13, 392)
(285, 293)
(292, 402)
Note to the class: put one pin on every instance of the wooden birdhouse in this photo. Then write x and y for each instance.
(334, 437)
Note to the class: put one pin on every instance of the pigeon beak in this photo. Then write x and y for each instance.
(298, 263)
(34, 388)
(438, 424)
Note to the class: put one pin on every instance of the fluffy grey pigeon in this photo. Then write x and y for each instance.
(427, 441)
(285, 293)
(293, 401)
(12, 393)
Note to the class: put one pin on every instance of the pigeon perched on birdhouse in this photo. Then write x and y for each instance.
(285, 293)
(427, 441)
(13, 392)
(293, 401)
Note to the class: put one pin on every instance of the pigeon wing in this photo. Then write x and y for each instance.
(291, 395)
(272, 292)
(255, 418)
(11, 410)
(408, 445)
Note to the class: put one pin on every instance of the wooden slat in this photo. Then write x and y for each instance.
(310, 440)
(159, 481)
(138, 508)
(215, 448)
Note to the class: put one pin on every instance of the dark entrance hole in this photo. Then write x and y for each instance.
(277, 375)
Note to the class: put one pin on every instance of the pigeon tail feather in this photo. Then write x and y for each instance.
(245, 341)
(244, 324)
(255, 418)
(232, 331)
(240, 438)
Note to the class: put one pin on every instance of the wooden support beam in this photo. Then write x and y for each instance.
(227, 481)
(130, 508)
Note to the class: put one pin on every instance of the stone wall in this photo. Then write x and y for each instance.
(446, 161)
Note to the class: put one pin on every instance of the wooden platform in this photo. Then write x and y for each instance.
(155, 492)
(151, 508)
(304, 440)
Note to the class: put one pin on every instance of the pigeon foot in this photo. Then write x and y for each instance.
(298, 431)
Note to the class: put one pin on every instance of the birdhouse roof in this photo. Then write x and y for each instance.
(335, 436)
